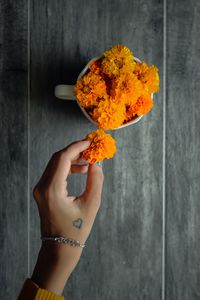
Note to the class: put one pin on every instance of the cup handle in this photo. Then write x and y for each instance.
(65, 92)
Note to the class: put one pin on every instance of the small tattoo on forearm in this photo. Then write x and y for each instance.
(78, 223)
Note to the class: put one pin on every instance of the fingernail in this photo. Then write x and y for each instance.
(99, 163)
(87, 141)
(83, 162)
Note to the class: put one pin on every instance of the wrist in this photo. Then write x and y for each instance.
(55, 263)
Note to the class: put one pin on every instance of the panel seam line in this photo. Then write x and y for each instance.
(28, 135)
(164, 151)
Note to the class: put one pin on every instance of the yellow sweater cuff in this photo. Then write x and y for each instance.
(31, 291)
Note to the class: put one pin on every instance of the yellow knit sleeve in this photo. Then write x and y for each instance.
(32, 291)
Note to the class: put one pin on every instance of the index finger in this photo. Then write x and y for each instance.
(68, 154)
(73, 150)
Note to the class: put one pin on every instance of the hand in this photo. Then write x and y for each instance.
(60, 213)
(64, 215)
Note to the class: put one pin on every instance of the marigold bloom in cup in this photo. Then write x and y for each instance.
(117, 88)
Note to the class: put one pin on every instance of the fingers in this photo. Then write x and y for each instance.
(94, 185)
(69, 154)
(78, 169)
(73, 151)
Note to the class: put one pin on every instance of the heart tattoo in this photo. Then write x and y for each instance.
(78, 223)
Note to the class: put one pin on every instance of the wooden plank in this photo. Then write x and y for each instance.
(123, 255)
(13, 158)
(183, 155)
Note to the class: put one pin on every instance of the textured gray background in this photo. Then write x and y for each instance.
(146, 238)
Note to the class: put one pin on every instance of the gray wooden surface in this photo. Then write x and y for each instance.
(183, 151)
(13, 149)
(150, 194)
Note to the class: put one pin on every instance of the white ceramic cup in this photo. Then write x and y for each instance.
(65, 92)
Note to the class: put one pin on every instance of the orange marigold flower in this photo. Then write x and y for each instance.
(102, 146)
(148, 76)
(95, 66)
(108, 114)
(126, 88)
(89, 88)
(118, 59)
(143, 105)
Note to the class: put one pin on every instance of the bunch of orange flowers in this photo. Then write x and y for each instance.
(116, 88)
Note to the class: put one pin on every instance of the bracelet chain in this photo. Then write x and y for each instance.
(64, 240)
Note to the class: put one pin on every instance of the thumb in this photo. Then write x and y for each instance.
(94, 185)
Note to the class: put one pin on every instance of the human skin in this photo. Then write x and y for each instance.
(64, 215)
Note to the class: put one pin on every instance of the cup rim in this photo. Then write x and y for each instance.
(88, 116)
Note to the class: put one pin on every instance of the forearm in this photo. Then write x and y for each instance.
(54, 265)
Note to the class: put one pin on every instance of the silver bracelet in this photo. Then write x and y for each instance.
(61, 239)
